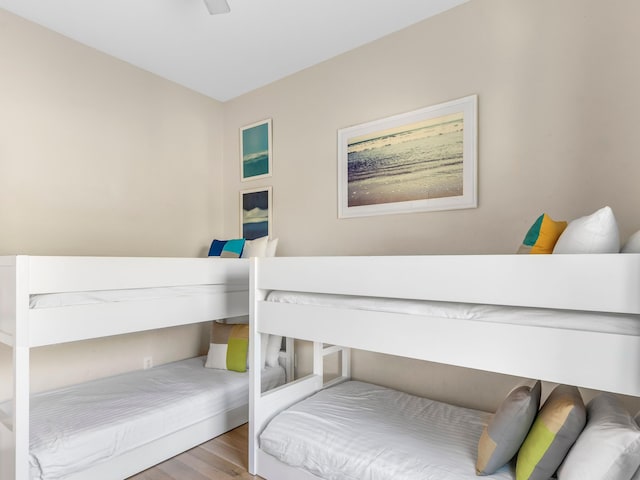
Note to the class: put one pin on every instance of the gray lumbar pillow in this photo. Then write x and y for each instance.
(508, 428)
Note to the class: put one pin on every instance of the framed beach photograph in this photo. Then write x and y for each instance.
(256, 154)
(255, 213)
(424, 160)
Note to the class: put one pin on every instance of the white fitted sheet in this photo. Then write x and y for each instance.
(622, 324)
(53, 300)
(81, 425)
(360, 431)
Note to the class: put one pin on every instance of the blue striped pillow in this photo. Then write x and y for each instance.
(227, 248)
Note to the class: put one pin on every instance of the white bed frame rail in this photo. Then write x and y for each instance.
(22, 328)
(605, 283)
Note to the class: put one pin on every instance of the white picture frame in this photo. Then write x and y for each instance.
(420, 161)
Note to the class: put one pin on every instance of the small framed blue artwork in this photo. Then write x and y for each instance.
(255, 213)
(255, 151)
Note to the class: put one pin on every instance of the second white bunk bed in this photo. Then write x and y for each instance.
(54, 300)
(568, 319)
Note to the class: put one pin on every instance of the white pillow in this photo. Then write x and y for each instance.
(609, 446)
(273, 350)
(595, 233)
(217, 356)
(255, 248)
(632, 245)
(272, 245)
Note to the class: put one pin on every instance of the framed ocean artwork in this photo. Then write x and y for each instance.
(255, 213)
(424, 160)
(256, 154)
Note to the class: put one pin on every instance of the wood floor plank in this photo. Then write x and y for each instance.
(219, 471)
(222, 458)
(218, 462)
(237, 456)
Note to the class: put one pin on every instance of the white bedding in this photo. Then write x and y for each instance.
(53, 300)
(574, 320)
(359, 431)
(81, 425)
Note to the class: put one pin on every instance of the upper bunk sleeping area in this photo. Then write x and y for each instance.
(46, 300)
(562, 318)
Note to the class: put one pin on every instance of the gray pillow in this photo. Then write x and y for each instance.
(502, 437)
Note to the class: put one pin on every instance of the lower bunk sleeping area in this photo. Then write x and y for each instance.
(358, 430)
(80, 430)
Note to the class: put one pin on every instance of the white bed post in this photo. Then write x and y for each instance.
(318, 359)
(290, 361)
(21, 372)
(255, 345)
(346, 362)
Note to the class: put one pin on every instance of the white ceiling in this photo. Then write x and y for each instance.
(223, 56)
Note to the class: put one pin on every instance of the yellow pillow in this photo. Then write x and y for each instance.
(542, 236)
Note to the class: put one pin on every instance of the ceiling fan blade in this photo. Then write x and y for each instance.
(217, 6)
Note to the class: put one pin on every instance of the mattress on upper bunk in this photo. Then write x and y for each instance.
(617, 323)
(78, 426)
(54, 300)
(361, 431)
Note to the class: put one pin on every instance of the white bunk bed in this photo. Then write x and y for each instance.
(594, 342)
(90, 297)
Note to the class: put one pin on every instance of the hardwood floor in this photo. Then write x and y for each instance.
(223, 458)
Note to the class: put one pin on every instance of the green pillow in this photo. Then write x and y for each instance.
(229, 347)
(237, 348)
(554, 431)
(508, 428)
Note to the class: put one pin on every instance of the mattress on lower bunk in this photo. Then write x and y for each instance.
(53, 300)
(361, 431)
(623, 324)
(81, 425)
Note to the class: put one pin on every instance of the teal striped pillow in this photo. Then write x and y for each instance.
(233, 248)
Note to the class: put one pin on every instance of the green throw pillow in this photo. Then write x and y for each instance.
(237, 348)
(554, 431)
(229, 347)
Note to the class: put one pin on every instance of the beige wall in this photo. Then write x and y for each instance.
(100, 158)
(97, 157)
(557, 89)
(557, 84)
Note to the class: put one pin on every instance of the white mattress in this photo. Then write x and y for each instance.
(52, 300)
(81, 425)
(574, 320)
(359, 431)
